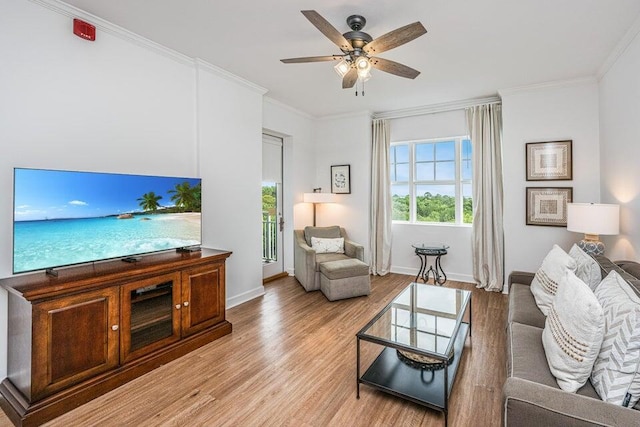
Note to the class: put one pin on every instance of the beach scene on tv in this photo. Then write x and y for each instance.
(65, 217)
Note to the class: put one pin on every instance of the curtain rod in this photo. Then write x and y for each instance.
(436, 108)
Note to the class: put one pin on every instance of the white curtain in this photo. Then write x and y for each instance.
(485, 129)
(381, 213)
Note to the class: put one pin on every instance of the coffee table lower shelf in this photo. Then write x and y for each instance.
(389, 374)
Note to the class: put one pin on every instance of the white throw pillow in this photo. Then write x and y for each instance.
(587, 269)
(573, 333)
(615, 374)
(545, 283)
(325, 246)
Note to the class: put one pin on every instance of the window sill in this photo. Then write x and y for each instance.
(431, 224)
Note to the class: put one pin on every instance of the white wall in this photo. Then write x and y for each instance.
(230, 163)
(620, 149)
(345, 140)
(71, 104)
(552, 112)
(296, 129)
(457, 263)
(122, 104)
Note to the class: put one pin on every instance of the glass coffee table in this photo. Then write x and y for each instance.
(423, 332)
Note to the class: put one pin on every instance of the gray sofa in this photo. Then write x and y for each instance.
(531, 396)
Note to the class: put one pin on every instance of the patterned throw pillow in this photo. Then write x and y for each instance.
(573, 333)
(325, 246)
(587, 269)
(615, 374)
(545, 283)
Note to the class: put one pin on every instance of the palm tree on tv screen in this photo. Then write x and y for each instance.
(149, 201)
(186, 197)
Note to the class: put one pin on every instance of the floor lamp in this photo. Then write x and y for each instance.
(318, 197)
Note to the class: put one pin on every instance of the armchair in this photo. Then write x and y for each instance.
(307, 262)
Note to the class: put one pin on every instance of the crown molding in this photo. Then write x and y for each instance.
(620, 48)
(436, 108)
(582, 81)
(129, 36)
(280, 104)
(206, 66)
(365, 113)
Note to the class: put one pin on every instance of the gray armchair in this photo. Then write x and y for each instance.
(307, 262)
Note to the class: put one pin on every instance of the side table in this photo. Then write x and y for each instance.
(424, 251)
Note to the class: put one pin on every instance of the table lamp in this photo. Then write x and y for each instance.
(593, 219)
(318, 197)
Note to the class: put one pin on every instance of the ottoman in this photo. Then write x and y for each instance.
(345, 278)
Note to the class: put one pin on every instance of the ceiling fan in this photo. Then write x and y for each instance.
(359, 47)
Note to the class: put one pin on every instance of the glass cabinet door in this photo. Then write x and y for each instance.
(150, 315)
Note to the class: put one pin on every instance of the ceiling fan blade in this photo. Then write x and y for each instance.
(395, 38)
(394, 68)
(350, 78)
(328, 30)
(312, 59)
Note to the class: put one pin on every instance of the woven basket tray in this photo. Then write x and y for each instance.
(419, 361)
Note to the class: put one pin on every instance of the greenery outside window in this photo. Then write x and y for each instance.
(431, 181)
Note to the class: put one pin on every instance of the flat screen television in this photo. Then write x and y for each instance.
(62, 218)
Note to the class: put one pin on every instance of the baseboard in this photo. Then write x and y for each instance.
(291, 272)
(466, 278)
(245, 296)
(274, 277)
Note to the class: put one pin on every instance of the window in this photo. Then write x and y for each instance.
(431, 181)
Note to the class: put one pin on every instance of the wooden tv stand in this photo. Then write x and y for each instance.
(95, 327)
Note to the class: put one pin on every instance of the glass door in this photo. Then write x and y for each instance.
(272, 219)
(150, 315)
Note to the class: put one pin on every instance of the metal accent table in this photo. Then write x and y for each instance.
(424, 251)
(425, 320)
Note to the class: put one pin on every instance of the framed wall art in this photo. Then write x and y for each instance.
(548, 206)
(341, 179)
(549, 161)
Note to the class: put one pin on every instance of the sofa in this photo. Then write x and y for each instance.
(531, 395)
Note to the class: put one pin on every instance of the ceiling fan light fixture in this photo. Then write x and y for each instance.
(359, 51)
(362, 64)
(364, 75)
(342, 68)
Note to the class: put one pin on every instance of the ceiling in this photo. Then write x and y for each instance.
(472, 48)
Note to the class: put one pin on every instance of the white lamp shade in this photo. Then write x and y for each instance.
(593, 218)
(319, 198)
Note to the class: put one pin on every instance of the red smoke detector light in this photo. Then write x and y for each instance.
(84, 30)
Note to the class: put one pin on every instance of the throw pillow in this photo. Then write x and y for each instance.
(573, 333)
(325, 246)
(587, 269)
(331, 232)
(545, 283)
(615, 374)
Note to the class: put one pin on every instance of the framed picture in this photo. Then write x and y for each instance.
(549, 161)
(548, 206)
(341, 179)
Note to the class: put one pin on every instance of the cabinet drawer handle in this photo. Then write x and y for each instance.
(114, 327)
(177, 306)
(186, 303)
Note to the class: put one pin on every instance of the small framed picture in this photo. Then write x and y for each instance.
(549, 161)
(548, 206)
(341, 179)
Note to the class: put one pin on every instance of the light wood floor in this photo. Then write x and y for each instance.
(291, 361)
